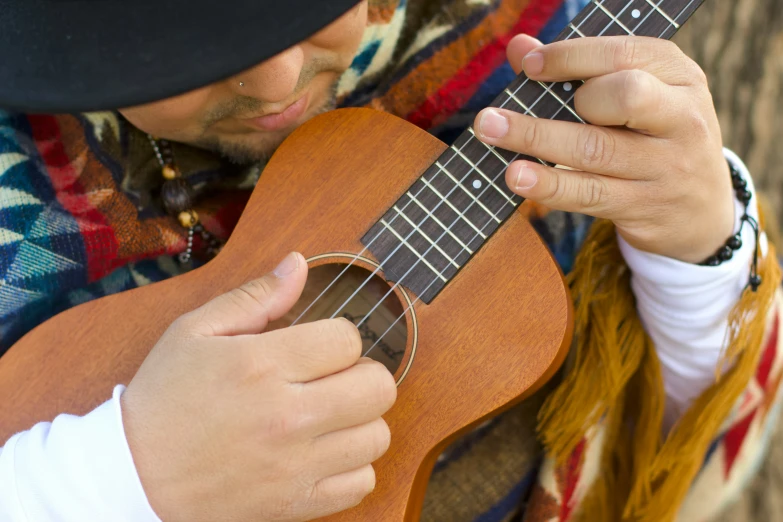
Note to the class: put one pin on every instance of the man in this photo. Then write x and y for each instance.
(222, 422)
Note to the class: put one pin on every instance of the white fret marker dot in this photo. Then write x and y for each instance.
(567, 87)
(476, 184)
(636, 13)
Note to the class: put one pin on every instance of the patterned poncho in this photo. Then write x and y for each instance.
(80, 218)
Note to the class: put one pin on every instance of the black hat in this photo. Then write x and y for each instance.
(83, 55)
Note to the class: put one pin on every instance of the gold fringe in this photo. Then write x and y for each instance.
(615, 375)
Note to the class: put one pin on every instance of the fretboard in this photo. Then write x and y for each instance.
(446, 216)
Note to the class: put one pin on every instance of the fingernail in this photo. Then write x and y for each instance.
(524, 177)
(533, 63)
(493, 124)
(287, 266)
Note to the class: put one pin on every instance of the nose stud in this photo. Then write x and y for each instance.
(241, 84)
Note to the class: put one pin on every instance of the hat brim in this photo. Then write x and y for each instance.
(87, 55)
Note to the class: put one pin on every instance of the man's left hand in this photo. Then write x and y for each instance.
(651, 160)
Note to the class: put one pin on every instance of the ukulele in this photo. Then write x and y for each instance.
(417, 242)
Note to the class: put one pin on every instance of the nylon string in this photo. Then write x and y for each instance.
(355, 258)
(401, 316)
(449, 228)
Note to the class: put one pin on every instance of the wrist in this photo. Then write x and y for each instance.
(145, 460)
(691, 236)
(659, 268)
(721, 221)
(742, 202)
(748, 213)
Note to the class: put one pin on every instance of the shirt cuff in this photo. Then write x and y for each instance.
(684, 307)
(672, 273)
(76, 469)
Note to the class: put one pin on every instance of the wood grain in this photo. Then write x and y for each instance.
(496, 334)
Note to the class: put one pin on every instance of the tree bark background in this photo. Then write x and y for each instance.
(739, 44)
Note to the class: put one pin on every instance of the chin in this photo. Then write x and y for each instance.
(242, 149)
(259, 146)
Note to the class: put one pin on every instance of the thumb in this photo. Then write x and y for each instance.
(248, 309)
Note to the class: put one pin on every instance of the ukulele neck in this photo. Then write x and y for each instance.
(444, 218)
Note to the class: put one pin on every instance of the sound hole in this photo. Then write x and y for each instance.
(384, 331)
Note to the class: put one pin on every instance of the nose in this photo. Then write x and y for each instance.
(274, 80)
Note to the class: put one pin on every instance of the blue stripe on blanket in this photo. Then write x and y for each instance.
(564, 15)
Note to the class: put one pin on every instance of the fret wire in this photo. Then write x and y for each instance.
(427, 183)
(662, 13)
(512, 96)
(610, 15)
(684, 9)
(527, 109)
(540, 96)
(560, 109)
(367, 246)
(655, 6)
(617, 16)
(429, 214)
(455, 209)
(559, 99)
(396, 284)
(567, 101)
(469, 193)
(474, 167)
(416, 253)
(420, 231)
(490, 147)
(576, 30)
(473, 133)
(531, 106)
(439, 222)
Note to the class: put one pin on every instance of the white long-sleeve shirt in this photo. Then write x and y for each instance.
(79, 469)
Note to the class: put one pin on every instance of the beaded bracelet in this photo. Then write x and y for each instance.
(726, 252)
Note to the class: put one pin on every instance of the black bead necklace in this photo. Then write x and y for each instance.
(734, 243)
(177, 196)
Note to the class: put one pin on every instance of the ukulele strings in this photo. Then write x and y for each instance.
(401, 316)
(410, 200)
(434, 243)
(355, 258)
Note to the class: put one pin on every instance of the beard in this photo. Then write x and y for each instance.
(257, 147)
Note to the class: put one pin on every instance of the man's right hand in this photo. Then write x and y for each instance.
(227, 423)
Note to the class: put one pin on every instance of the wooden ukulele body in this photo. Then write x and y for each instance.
(494, 335)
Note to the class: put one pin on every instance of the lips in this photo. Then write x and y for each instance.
(281, 120)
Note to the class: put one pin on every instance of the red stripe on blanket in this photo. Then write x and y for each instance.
(735, 437)
(768, 357)
(456, 92)
(733, 441)
(573, 472)
(98, 237)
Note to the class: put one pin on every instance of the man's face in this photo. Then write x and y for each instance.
(248, 122)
